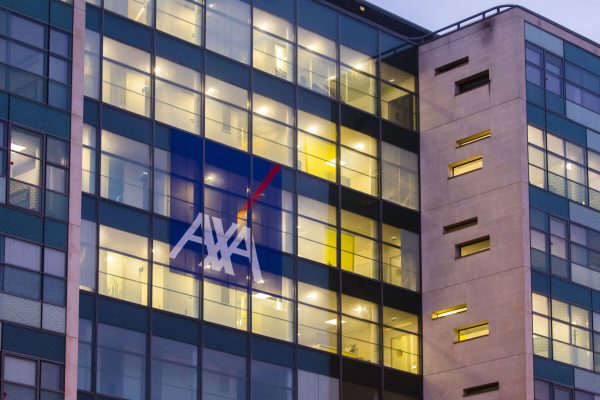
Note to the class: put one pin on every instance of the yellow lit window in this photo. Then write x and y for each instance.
(272, 316)
(465, 166)
(446, 312)
(474, 138)
(473, 247)
(225, 305)
(472, 331)
(317, 328)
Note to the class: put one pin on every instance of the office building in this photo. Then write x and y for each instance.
(295, 199)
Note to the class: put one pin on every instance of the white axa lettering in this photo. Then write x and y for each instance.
(219, 253)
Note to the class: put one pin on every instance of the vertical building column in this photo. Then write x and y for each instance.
(73, 261)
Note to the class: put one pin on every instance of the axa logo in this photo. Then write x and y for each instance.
(219, 244)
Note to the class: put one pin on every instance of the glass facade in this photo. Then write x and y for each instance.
(256, 199)
(563, 111)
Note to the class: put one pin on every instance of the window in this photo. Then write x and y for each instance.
(400, 176)
(475, 390)
(357, 82)
(317, 234)
(465, 166)
(3, 161)
(273, 45)
(360, 248)
(358, 161)
(317, 63)
(446, 312)
(180, 18)
(126, 77)
(271, 381)
(472, 82)
(178, 99)
(84, 355)
(317, 150)
(474, 138)
(272, 316)
(272, 130)
(401, 343)
(173, 290)
(224, 376)
(25, 169)
(88, 258)
(174, 369)
(139, 11)
(225, 305)
(401, 257)
(123, 265)
(91, 66)
(228, 29)
(451, 65)
(88, 160)
(125, 170)
(57, 178)
(360, 338)
(317, 317)
(473, 247)
(472, 331)
(121, 363)
(23, 377)
(460, 225)
(226, 118)
(398, 106)
(313, 386)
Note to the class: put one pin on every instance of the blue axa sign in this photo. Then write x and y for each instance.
(220, 244)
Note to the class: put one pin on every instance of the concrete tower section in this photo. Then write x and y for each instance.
(477, 323)
(494, 284)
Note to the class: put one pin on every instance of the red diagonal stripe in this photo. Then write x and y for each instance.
(262, 187)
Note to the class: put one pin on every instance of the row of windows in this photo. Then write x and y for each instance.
(122, 359)
(35, 60)
(34, 171)
(124, 272)
(548, 391)
(33, 287)
(565, 249)
(566, 333)
(304, 140)
(564, 168)
(229, 33)
(562, 77)
(31, 379)
(126, 177)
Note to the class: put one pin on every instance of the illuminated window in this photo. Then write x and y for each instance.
(125, 170)
(228, 29)
(473, 247)
(88, 160)
(226, 118)
(398, 106)
(474, 138)
(317, 319)
(317, 150)
(446, 312)
(358, 161)
(178, 99)
(317, 234)
(400, 176)
(173, 290)
(126, 77)
(139, 11)
(272, 316)
(272, 130)
(401, 260)
(25, 169)
(472, 331)
(401, 343)
(316, 63)
(465, 166)
(359, 252)
(225, 305)
(360, 340)
(123, 265)
(273, 45)
(357, 84)
(180, 18)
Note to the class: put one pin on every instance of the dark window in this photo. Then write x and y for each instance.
(542, 390)
(473, 82)
(451, 65)
(460, 225)
(475, 390)
(27, 31)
